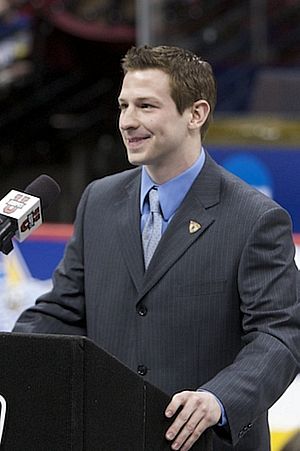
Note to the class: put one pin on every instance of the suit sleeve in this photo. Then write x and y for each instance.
(62, 310)
(270, 313)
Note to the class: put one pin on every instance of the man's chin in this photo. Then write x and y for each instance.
(134, 160)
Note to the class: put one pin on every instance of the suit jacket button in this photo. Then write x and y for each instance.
(142, 370)
(142, 310)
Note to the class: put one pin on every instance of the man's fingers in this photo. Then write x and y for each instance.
(200, 410)
(189, 432)
(190, 416)
(189, 441)
(182, 419)
(174, 405)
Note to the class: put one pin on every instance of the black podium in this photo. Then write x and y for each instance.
(64, 393)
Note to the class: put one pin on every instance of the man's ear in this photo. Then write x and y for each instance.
(199, 113)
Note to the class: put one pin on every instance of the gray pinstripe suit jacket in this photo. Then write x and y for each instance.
(216, 308)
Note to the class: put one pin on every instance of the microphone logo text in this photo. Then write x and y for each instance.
(18, 202)
(31, 220)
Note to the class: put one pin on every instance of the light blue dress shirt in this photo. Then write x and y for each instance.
(170, 193)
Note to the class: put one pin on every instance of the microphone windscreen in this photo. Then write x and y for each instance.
(44, 187)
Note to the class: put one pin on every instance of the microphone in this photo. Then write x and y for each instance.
(22, 212)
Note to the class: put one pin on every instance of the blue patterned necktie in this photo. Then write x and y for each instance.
(153, 227)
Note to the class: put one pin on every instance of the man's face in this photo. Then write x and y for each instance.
(153, 131)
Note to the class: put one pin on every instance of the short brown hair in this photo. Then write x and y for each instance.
(191, 78)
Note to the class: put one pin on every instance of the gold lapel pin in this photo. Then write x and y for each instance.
(194, 226)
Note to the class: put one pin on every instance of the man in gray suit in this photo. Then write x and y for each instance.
(210, 316)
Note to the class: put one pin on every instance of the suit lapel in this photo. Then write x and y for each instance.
(204, 193)
(129, 230)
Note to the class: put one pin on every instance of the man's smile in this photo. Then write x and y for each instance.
(135, 141)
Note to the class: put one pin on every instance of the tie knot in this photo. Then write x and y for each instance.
(154, 201)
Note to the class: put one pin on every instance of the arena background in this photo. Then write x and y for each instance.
(59, 77)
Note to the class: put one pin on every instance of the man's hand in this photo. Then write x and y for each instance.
(200, 410)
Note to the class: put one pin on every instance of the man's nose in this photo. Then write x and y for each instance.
(128, 119)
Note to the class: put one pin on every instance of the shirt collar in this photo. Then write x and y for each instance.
(172, 192)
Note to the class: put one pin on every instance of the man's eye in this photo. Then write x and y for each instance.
(146, 106)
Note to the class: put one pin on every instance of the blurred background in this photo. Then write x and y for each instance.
(60, 75)
(59, 80)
